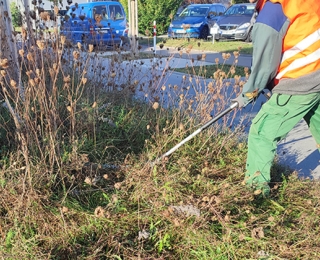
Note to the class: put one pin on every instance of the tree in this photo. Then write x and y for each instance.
(159, 11)
(16, 15)
(8, 50)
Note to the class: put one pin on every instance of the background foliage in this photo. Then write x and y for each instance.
(162, 12)
(16, 15)
(159, 11)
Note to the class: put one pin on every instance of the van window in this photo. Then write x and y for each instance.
(100, 13)
(77, 12)
(116, 12)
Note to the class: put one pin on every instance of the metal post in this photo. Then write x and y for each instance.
(154, 37)
(136, 15)
(133, 24)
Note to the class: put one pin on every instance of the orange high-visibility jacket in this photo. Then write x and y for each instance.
(301, 44)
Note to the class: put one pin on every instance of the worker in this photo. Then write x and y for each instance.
(286, 59)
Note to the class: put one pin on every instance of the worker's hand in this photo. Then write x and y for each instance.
(240, 100)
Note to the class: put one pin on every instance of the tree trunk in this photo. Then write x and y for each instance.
(8, 47)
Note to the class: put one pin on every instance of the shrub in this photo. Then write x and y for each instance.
(159, 11)
(16, 15)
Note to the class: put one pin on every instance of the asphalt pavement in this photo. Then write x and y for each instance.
(297, 151)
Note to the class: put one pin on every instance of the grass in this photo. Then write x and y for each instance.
(217, 46)
(76, 180)
(208, 71)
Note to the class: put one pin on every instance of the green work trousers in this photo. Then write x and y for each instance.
(274, 121)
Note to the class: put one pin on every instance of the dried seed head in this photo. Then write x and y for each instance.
(76, 55)
(87, 180)
(94, 104)
(29, 57)
(63, 39)
(118, 185)
(37, 80)
(40, 44)
(51, 72)
(21, 52)
(67, 79)
(45, 16)
(224, 56)
(155, 105)
(38, 72)
(24, 34)
(186, 26)
(13, 83)
(84, 80)
(64, 209)
(113, 75)
(79, 45)
(4, 63)
(3, 73)
(90, 48)
(257, 192)
(56, 10)
(189, 48)
(29, 73)
(99, 212)
(32, 83)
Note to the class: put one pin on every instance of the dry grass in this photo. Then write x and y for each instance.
(74, 116)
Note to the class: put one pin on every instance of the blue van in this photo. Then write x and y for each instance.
(97, 23)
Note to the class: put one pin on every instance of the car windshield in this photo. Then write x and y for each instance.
(240, 10)
(100, 12)
(194, 11)
(116, 12)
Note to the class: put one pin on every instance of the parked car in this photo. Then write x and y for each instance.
(236, 23)
(195, 21)
(95, 23)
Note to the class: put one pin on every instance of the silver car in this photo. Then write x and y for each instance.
(236, 23)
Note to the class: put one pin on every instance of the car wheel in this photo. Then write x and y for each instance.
(249, 36)
(204, 33)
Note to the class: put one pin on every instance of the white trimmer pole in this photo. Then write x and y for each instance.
(206, 125)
